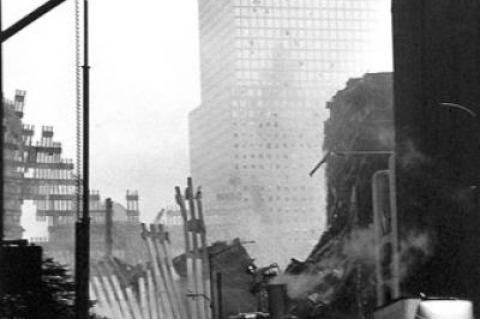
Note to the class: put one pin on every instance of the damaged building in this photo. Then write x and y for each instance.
(358, 140)
(37, 171)
(114, 232)
(338, 275)
(434, 182)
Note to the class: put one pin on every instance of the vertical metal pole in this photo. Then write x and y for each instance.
(219, 295)
(394, 221)
(108, 227)
(82, 267)
(86, 118)
(277, 301)
(196, 266)
(2, 136)
(206, 282)
(212, 289)
(188, 254)
(378, 235)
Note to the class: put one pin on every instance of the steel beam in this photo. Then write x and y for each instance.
(29, 18)
(2, 136)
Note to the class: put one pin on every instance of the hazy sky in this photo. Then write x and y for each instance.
(145, 79)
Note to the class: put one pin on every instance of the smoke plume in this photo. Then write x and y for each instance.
(410, 156)
(356, 249)
(415, 248)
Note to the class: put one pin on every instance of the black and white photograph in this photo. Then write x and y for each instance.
(240, 159)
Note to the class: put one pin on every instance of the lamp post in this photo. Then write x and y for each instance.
(218, 279)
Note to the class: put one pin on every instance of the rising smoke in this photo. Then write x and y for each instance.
(415, 248)
(410, 156)
(356, 249)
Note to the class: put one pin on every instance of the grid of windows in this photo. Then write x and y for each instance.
(318, 44)
(268, 68)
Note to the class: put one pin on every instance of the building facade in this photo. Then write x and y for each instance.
(267, 67)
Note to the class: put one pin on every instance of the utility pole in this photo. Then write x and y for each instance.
(82, 226)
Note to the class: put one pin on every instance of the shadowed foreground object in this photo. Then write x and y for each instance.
(231, 261)
(437, 60)
(20, 269)
(277, 300)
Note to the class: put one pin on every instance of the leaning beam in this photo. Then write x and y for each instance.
(29, 18)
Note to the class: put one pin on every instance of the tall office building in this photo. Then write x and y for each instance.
(267, 69)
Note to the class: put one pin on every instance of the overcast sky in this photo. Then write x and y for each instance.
(145, 79)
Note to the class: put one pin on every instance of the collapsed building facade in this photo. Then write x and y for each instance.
(358, 139)
(37, 171)
(15, 136)
(171, 219)
(337, 279)
(434, 182)
(114, 232)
